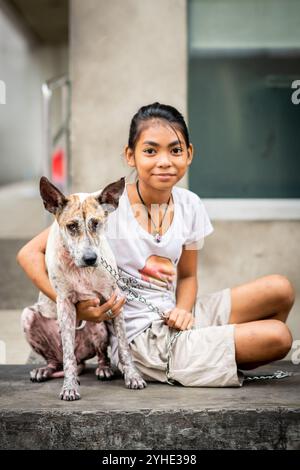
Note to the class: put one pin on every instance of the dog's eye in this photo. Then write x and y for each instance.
(72, 227)
(94, 224)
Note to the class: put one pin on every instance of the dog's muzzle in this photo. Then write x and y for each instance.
(89, 258)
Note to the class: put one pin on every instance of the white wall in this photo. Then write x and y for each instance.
(24, 66)
(123, 55)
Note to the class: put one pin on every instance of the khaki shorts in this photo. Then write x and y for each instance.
(203, 356)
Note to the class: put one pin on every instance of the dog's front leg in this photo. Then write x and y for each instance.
(66, 313)
(131, 376)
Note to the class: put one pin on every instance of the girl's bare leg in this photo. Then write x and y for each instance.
(259, 310)
(264, 298)
(261, 342)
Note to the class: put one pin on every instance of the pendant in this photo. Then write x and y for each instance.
(157, 237)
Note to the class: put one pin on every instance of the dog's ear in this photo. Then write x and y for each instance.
(109, 197)
(53, 199)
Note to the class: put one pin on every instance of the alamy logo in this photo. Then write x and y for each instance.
(296, 354)
(2, 92)
(296, 94)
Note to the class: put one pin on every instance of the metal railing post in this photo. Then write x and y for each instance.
(50, 140)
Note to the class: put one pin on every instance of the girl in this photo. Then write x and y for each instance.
(202, 340)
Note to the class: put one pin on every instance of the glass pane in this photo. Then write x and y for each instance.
(243, 124)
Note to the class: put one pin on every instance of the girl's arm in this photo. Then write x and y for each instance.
(181, 317)
(32, 259)
(187, 284)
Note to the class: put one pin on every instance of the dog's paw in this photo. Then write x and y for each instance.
(70, 391)
(41, 374)
(133, 380)
(104, 372)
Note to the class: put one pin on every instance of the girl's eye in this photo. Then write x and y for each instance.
(176, 150)
(149, 150)
(179, 150)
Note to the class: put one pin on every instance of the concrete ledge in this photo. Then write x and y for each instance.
(259, 415)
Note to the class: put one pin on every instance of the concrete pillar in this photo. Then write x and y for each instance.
(123, 54)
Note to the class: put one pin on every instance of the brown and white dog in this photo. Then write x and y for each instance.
(75, 243)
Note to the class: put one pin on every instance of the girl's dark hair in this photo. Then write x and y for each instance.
(157, 111)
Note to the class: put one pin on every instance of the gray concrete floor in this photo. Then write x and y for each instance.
(21, 210)
(15, 349)
(259, 415)
(22, 217)
(16, 392)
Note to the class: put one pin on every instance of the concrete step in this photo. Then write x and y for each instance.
(21, 210)
(14, 348)
(260, 415)
(16, 290)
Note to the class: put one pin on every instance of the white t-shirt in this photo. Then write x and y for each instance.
(148, 267)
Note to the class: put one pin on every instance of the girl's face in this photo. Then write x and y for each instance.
(160, 159)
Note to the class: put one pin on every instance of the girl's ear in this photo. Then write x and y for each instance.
(190, 151)
(129, 155)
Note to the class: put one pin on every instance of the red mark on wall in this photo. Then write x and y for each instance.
(58, 166)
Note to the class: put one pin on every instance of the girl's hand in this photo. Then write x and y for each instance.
(180, 319)
(91, 310)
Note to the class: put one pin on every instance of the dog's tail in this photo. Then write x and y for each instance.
(60, 373)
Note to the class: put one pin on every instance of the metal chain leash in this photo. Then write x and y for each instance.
(141, 299)
(169, 349)
(278, 374)
(125, 286)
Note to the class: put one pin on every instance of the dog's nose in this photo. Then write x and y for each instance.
(90, 258)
